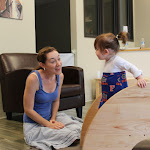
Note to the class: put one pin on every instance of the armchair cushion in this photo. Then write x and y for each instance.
(70, 90)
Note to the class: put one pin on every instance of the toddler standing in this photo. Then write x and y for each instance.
(114, 75)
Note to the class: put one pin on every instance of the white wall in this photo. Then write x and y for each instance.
(18, 35)
(142, 21)
(85, 55)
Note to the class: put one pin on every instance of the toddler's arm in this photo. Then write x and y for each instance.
(125, 65)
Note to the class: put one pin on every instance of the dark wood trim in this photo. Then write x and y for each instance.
(100, 17)
(84, 19)
(130, 18)
(116, 17)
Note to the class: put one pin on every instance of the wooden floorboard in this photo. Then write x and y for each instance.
(11, 132)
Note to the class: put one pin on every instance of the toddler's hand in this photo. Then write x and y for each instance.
(141, 82)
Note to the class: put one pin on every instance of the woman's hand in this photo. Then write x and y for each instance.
(141, 82)
(56, 125)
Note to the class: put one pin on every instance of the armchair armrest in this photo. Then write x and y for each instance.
(74, 75)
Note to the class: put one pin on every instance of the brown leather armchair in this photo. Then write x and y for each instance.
(14, 69)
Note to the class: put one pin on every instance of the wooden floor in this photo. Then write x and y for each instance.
(11, 132)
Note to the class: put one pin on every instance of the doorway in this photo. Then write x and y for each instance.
(52, 24)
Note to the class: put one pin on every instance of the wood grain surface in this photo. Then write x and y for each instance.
(122, 122)
(88, 118)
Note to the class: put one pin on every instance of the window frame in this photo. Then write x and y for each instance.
(99, 11)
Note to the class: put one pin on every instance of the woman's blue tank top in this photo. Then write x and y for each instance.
(43, 101)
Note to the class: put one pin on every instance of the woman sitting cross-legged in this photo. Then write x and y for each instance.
(43, 126)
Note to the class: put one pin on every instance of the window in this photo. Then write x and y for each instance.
(102, 16)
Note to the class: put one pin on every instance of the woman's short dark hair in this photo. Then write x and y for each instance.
(41, 57)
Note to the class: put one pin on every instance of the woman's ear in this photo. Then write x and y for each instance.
(42, 65)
